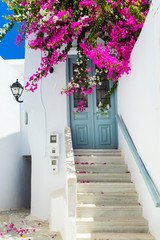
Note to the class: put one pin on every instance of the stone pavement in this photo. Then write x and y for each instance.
(18, 224)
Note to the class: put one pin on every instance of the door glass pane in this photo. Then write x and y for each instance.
(77, 95)
(102, 90)
(78, 98)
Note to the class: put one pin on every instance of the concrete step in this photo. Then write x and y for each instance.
(102, 168)
(104, 177)
(107, 205)
(108, 199)
(92, 210)
(114, 236)
(99, 159)
(112, 224)
(98, 152)
(105, 187)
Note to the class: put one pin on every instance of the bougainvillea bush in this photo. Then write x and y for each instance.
(55, 24)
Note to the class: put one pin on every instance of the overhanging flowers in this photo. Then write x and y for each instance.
(55, 24)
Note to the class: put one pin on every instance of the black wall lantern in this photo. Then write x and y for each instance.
(51, 70)
(17, 90)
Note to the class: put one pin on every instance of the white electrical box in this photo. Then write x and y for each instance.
(54, 144)
(54, 151)
(54, 164)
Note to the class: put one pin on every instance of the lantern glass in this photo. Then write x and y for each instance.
(15, 91)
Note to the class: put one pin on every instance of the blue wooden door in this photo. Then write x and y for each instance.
(89, 129)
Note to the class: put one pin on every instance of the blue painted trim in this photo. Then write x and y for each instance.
(68, 103)
(149, 183)
(67, 81)
(116, 112)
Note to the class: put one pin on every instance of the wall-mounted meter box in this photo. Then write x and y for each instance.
(54, 151)
(54, 164)
(54, 144)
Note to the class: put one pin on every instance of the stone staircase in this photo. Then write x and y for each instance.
(107, 204)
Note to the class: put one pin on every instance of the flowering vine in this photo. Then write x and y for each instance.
(105, 31)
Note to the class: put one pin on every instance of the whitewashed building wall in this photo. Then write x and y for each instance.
(13, 175)
(47, 114)
(139, 106)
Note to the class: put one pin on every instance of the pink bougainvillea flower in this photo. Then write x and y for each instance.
(102, 192)
(52, 26)
(18, 39)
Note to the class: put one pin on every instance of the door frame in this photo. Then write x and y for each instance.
(67, 81)
(74, 56)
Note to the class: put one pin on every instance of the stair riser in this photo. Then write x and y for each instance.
(102, 168)
(109, 212)
(126, 177)
(104, 188)
(113, 236)
(120, 229)
(100, 152)
(100, 159)
(107, 200)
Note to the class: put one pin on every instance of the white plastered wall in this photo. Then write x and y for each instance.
(139, 106)
(12, 166)
(47, 114)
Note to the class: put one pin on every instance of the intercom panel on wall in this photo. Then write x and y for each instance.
(54, 151)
